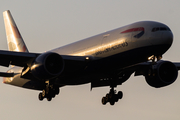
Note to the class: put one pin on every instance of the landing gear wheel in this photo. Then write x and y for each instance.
(49, 98)
(116, 98)
(107, 98)
(41, 97)
(50, 90)
(43, 93)
(120, 94)
(104, 100)
(112, 102)
(53, 95)
(57, 91)
(112, 97)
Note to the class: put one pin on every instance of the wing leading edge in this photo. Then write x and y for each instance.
(15, 58)
(21, 58)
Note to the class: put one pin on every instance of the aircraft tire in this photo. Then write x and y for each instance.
(53, 94)
(116, 98)
(41, 97)
(57, 91)
(107, 97)
(43, 93)
(104, 100)
(112, 102)
(49, 98)
(120, 94)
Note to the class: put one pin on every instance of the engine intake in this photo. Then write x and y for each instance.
(162, 74)
(47, 66)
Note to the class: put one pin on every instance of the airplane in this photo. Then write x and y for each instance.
(106, 59)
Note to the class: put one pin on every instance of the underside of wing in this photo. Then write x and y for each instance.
(177, 65)
(158, 74)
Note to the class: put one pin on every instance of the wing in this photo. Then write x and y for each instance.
(159, 74)
(21, 59)
(177, 65)
(15, 58)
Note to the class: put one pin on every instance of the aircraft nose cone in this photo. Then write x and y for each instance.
(168, 38)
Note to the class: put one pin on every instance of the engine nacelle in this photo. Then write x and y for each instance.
(47, 66)
(161, 74)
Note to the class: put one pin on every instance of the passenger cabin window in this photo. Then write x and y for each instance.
(160, 29)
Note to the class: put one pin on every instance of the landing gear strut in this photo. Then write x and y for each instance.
(112, 97)
(49, 92)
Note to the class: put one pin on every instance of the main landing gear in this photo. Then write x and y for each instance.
(49, 92)
(112, 97)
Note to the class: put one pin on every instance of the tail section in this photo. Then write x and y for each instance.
(14, 38)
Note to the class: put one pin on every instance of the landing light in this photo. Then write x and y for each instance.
(151, 57)
(87, 58)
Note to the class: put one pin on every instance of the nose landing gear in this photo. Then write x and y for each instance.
(112, 97)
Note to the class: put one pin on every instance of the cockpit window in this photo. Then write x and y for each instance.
(160, 29)
(163, 28)
(157, 29)
(154, 29)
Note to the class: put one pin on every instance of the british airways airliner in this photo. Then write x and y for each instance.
(107, 59)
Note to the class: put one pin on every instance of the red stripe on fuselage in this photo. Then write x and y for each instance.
(133, 30)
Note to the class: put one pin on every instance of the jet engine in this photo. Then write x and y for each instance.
(161, 74)
(47, 66)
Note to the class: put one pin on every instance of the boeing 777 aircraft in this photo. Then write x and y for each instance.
(107, 59)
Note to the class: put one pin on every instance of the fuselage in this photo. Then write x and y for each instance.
(133, 36)
(112, 50)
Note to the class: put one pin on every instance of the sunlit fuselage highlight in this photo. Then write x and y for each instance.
(118, 42)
